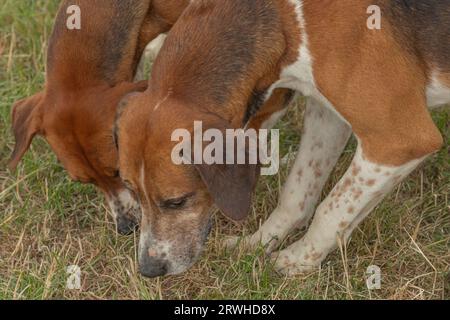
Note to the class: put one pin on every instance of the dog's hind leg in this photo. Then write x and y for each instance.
(324, 138)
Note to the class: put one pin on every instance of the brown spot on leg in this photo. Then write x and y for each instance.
(316, 256)
(343, 225)
(355, 170)
(347, 184)
(358, 193)
(330, 206)
(302, 205)
(371, 182)
(351, 210)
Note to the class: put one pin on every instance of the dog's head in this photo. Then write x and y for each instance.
(176, 199)
(78, 127)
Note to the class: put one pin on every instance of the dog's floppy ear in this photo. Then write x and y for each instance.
(231, 186)
(26, 123)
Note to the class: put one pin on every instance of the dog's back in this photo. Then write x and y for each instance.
(102, 50)
(423, 26)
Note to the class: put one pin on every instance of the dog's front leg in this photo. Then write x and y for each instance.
(362, 187)
(324, 138)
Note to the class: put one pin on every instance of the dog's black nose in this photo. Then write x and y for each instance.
(152, 267)
(126, 225)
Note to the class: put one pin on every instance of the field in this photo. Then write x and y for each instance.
(48, 223)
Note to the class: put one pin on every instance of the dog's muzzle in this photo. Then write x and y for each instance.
(126, 212)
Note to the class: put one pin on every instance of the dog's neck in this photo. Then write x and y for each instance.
(223, 56)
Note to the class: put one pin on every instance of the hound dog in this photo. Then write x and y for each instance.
(224, 59)
(88, 71)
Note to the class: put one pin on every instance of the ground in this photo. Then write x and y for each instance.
(48, 223)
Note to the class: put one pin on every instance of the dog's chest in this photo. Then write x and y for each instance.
(299, 75)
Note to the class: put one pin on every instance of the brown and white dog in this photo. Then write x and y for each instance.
(88, 72)
(224, 58)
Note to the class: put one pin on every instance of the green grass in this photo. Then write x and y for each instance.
(48, 223)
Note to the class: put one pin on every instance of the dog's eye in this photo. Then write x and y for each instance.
(176, 203)
(111, 172)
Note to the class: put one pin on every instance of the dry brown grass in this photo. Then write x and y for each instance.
(48, 223)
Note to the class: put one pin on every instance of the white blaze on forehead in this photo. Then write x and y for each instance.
(142, 182)
(161, 102)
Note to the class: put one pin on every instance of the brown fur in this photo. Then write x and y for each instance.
(88, 72)
(384, 98)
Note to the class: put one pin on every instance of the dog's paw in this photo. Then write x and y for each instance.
(231, 242)
(286, 263)
(251, 243)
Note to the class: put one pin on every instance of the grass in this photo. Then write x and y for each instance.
(48, 223)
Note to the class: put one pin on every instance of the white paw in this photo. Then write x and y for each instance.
(231, 242)
(287, 263)
(248, 243)
(251, 243)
